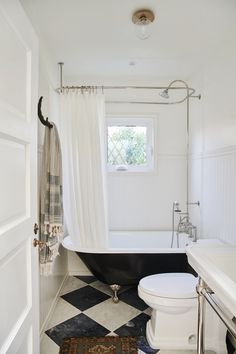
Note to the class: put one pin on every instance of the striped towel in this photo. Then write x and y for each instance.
(51, 206)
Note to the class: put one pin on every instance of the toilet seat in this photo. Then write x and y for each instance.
(170, 285)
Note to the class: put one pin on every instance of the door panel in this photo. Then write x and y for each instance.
(15, 275)
(26, 345)
(18, 197)
(13, 169)
(14, 90)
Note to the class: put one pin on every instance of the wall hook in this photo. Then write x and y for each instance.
(41, 117)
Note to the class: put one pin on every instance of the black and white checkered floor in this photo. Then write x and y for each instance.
(85, 308)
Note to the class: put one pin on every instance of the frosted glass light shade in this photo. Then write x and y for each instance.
(143, 29)
(143, 20)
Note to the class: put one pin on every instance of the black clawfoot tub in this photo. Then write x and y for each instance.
(151, 254)
(129, 268)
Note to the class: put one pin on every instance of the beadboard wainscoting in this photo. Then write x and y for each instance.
(213, 182)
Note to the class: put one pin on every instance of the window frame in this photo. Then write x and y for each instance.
(124, 120)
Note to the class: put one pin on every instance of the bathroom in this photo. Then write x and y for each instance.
(99, 45)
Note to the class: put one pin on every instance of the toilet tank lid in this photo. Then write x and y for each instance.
(170, 285)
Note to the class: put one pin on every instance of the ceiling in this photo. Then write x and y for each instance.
(96, 40)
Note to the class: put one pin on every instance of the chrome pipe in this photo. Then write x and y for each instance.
(189, 93)
(216, 307)
(60, 90)
(190, 90)
(175, 209)
(68, 88)
(187, 162)
(204, 293)
(173, 226)
(201, 313)
(61, 78)
(125, 87)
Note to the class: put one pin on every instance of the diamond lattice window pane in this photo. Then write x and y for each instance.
(127, 145)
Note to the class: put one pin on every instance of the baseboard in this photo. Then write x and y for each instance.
(43, 327)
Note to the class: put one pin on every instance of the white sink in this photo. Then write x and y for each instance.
(216, 265)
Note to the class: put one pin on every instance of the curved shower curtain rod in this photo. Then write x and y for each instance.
(190, 90)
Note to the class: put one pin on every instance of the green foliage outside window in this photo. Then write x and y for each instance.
(127, 145)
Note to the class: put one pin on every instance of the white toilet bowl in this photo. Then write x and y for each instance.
(173, 323)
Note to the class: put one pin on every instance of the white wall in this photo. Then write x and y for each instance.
(49, 285)
(143, 201)
(76, 266)
(213, 139)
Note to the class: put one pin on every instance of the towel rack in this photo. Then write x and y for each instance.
(40, 115)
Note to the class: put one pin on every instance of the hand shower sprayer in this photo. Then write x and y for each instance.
(175, 209)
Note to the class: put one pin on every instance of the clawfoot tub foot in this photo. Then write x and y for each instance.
(115, 288)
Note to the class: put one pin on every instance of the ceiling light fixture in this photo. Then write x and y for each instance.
(143, 20)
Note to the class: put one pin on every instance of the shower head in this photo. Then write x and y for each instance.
(164, 93)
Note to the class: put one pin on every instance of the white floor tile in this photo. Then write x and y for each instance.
(48, 346)
(113, 334)
(63, 311)
(71, 284)
(148, 311)
(110, 315)
(102, 287)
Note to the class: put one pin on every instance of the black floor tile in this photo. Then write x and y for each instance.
(131, 298)
(78, 326)
(86, 278)
(85, 297)
(138, 328)
(145, 347)
(82, 325)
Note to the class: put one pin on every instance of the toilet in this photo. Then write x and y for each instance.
(173, 323)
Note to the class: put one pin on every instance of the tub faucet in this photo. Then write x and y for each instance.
(185, 226)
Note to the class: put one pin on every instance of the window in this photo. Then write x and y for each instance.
(129, 144)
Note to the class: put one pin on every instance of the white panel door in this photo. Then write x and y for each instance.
(19, 329)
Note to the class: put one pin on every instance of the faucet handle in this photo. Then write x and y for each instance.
(192, 232)
(194, 203)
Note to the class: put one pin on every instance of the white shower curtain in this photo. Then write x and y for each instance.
(84, 175)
